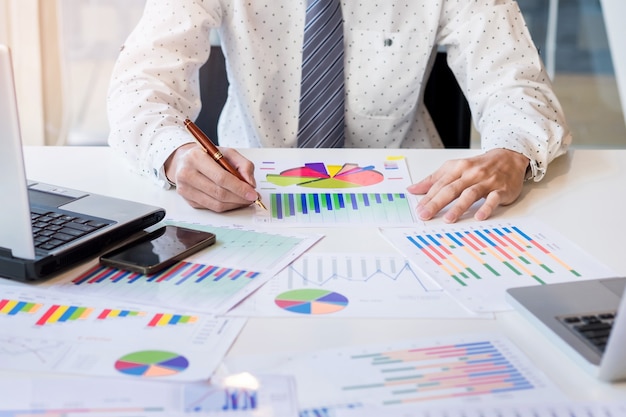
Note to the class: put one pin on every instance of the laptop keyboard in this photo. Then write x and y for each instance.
(593, 328)
(53, 229)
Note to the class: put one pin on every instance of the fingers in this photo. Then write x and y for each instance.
(205, 184)
(496, 177)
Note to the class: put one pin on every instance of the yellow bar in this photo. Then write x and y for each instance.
(8, 307)
(57, 314)
(165, 320)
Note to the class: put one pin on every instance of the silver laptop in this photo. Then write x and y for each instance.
(587, 319)
(45, 228)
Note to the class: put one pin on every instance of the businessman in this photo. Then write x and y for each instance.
(336, 73)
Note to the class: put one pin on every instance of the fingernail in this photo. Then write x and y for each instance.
(251, 196)
(424, 214)
(480, 216)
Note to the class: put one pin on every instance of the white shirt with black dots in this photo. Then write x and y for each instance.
(388, 51)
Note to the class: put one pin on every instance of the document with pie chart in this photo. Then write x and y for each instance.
(332, 285)
(310, 193)
(44, 331)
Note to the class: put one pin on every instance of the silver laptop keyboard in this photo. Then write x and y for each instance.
(593, 328)
(53, 229)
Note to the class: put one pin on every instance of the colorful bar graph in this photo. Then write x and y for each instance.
(490, 252)
(108, 313)
(13, 307)
(340, 207)
(61, 314)
(179, 274)
(440, 373)
(162, 319)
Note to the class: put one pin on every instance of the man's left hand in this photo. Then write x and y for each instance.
(497, 176)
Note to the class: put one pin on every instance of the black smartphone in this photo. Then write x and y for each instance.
(156, 250)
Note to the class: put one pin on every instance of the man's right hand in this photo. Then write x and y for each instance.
(203, 183)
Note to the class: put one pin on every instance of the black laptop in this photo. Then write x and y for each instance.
(46, 228)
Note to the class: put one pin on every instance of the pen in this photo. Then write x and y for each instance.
(217, 156)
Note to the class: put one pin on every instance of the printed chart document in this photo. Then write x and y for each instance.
(476, 262)
(532, 409)
(211, 281)
(352, 285)
(43, 331)
(335, 192)
(452, 370)
(238, 395)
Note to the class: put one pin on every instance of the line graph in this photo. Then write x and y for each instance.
(351, 284)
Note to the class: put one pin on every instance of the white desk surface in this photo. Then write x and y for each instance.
(582, 197)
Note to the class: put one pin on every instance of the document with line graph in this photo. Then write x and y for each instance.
(476, 262)
(352, 285)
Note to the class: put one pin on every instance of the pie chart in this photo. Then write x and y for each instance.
(151, 363)
(311, 301)
(320, 175)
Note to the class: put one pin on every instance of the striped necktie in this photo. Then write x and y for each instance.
(321, 122)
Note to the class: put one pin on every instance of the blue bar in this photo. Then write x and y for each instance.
(89, 276)
(454, 239)
(122, 276)
(157, 275)
(123, 313)
(432, 239)
(366, 200)
(240, 273)
(175, 319)
(354, 203)
(390, 197)
(279, 206)
(498, 232)
(489, 241)
(524, 235)
(206, 274)
(223, 274)
(378, 199)
(292, 205)
(16, 309)
(424, 241)
(68, 313)
(412, 239)
(341, 202)
(137, 276)
(329, 201)
(316, 203)
(105, 276)
(305, 206)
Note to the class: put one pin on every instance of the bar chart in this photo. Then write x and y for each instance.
(340, 207)
(90, 336)
(478, 261)
(336, 193)
(211, 281)
(479, 368)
